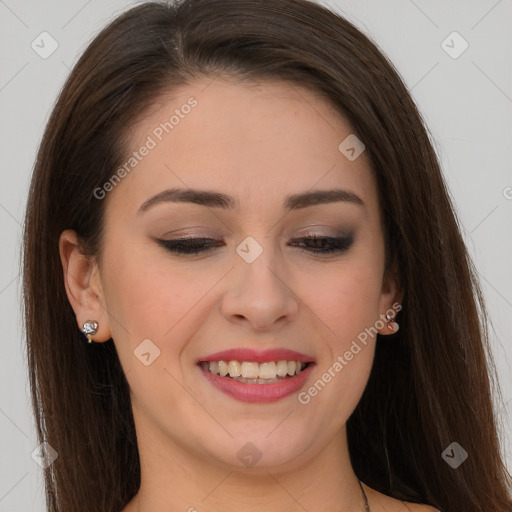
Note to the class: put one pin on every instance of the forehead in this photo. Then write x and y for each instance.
(255, 141)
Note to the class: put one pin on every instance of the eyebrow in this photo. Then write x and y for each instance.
(220, 200)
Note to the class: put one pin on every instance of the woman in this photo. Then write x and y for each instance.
(240, 240)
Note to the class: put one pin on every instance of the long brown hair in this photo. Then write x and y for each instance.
(431, 383)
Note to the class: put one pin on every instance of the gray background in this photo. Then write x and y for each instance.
(466, 102)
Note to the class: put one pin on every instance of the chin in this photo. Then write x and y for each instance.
(260, 450)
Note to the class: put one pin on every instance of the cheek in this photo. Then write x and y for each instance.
(146, 295)
(151, 297)
(348, 309)
(347, 299)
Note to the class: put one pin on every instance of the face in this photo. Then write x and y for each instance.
(255, 281)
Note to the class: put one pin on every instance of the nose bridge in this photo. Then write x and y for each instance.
(259, 291)
(259, 265)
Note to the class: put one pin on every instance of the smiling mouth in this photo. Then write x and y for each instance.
(251, 372)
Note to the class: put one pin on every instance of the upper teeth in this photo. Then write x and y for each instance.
(252, 370)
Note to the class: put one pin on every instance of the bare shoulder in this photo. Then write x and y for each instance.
(415, 507)
(383, 503)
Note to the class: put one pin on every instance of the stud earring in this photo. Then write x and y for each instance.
(392, 325)
(89, 329)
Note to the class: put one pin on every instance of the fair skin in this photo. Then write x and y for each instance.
(257, 144)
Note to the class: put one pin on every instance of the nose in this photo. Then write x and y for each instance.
(260, 294)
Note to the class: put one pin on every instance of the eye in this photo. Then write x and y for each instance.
(189, 245)
(315, 244)
(330, 244)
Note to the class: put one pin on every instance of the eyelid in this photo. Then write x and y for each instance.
(333, 232)
(304, 232)
(192, 246)
(187, 235)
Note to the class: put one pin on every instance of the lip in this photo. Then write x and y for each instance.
(258, 356)
(246, 392)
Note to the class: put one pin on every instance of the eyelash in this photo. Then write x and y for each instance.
(193, 245)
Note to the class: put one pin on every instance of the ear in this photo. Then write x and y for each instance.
(390, 299)
(83, 285)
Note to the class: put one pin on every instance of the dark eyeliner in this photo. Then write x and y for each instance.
(193, 246)
(334, 244)
(188, 245)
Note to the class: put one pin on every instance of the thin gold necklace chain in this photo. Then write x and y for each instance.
(366, 506)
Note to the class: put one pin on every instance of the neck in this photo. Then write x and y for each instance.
(175, 478)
